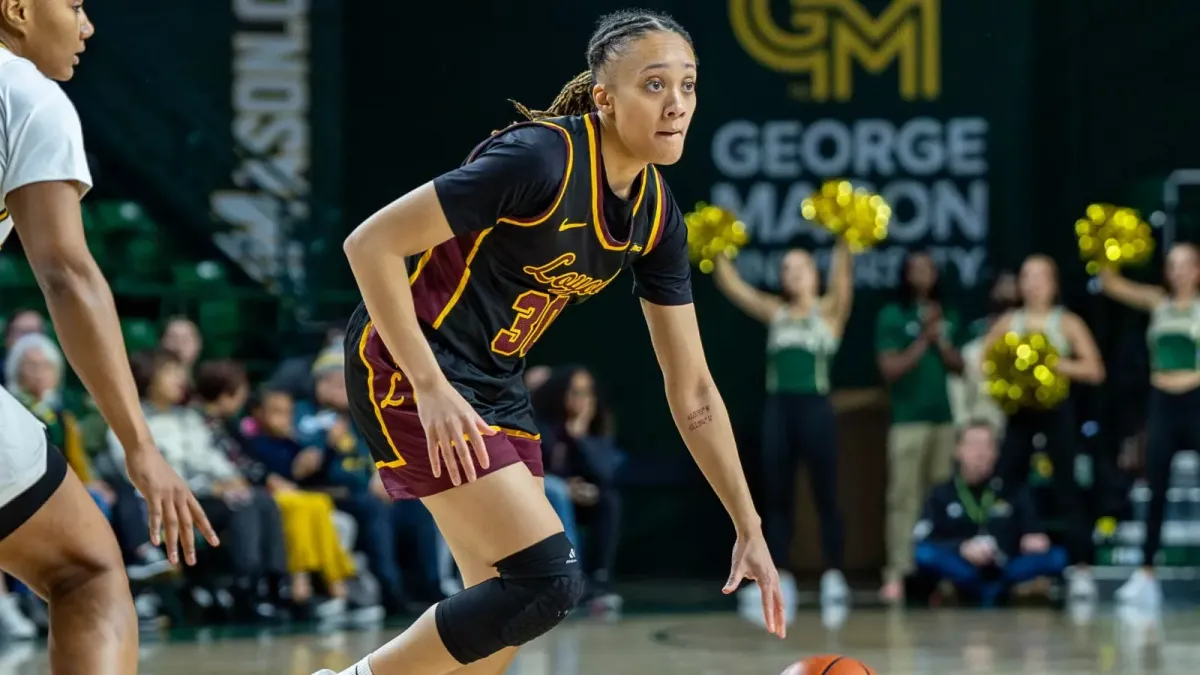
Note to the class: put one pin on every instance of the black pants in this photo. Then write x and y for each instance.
(1054, 433)
(1173, 424)
(800, 427)
(129, 521)
(377, 539)
(251, 535)
(604, 519)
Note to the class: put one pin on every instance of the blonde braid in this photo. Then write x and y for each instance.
(574, 99)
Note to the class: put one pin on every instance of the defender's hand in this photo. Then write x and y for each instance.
(450, 424)
(171, 504)
(752, 560)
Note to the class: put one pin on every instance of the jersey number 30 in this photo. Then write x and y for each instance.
(535, 312)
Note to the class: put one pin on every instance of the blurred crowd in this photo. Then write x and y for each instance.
(980, 502)
(307, 530)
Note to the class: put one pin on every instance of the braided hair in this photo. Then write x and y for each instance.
(613, 35)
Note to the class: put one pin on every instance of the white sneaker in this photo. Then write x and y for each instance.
(333, 608)
(834, 590)
(13, 623)
(325, 672)
(787, 587)
(750, 601)
(1142, 590)
(1081, 585)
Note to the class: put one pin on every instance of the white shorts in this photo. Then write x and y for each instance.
(29, 474)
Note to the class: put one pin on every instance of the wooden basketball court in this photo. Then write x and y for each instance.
(1034, 642)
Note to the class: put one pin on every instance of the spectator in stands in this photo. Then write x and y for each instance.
(14, 625)
(221, 393)
(558, 491)
(23, 322)
(294, 375)
(308, 525)
(536, 376)
(579, 448)
(980, 533)
(33, 371)
(348, 473)
(915, 347)
(242, 515)
(181, 337)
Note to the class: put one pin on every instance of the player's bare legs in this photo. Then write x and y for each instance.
(501, 514)
(475, 571)
(69, 556)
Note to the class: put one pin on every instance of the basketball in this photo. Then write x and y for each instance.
(829, 664)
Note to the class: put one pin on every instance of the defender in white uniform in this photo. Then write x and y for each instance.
(52, 536)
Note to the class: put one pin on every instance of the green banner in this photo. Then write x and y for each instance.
(902, 97)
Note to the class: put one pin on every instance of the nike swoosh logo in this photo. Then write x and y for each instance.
(569, 226)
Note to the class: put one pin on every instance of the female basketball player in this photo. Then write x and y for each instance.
(52, 536)
(803, 333)
(543, 214)
(1171, 424)
(1080, 362)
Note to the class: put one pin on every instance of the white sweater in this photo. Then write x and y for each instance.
(186, 442)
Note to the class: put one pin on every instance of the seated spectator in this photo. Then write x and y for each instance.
(349, 475)
(14, 625)
(558, 492)
(580, 460)
(294, 374)
(23, 322)
(245, 517)
(308, 526)
(221, 390)
(181, 337)
(978, 533)
(34, 370)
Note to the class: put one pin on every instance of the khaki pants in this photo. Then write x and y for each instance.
(920, 455)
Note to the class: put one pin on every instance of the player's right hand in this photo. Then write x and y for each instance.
(450, 425)
(172, 505)
(752, 560)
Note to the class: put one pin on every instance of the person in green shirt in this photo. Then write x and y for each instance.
(915, 351)
(1054, 431)
(804, 330)
(1174, 407)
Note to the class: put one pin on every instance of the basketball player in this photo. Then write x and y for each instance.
(52, 536)
(543, 214)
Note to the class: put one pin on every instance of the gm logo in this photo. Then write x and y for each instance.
(824, 39)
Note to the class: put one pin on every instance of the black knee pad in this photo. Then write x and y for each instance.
(535, 591)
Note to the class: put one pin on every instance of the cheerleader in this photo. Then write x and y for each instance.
(804, 330)
(1172, 423)
(1052, 431)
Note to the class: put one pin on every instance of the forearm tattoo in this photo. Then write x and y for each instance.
(698, 418)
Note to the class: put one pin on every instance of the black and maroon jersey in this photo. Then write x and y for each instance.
(536, 229)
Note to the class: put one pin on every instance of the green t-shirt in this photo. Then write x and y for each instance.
(920, 395)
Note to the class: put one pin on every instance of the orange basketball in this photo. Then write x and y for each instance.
(829, 664)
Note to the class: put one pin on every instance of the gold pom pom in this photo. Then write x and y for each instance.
(858, 216)
(1113, 236)
(1021, 373)
(711, 231)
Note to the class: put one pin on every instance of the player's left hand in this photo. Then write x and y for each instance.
(170, 502)
(752, 560)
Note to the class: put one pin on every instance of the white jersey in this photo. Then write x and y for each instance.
(40, 140)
